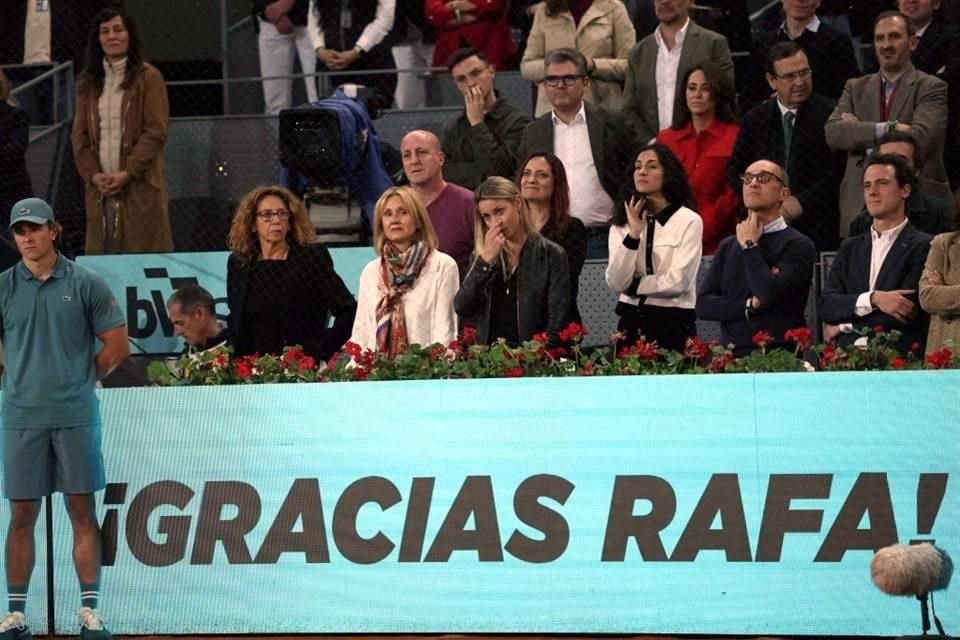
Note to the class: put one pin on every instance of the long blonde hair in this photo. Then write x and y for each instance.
(425, 232)
(498, 188)
(6, 94)
(242, 239)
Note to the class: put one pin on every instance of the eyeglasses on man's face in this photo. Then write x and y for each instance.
(556, 81)
(267, 215)
(762, 177)
(794, 75)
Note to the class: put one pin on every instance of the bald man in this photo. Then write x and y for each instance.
(449, 206)
(760, 278)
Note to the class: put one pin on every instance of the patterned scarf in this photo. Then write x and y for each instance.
(398, 273)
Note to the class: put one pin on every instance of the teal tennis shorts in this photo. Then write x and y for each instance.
(37, 462)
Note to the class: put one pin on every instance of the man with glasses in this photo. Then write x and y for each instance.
(829, 51)
(875, 276)
(660, 61)
(482, 141)
(593, 144)
(896, 98)
(760, 278)
(788, 129)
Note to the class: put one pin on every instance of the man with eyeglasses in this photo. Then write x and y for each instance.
(874, 277)
(788, 129)
(482, 141)
(760, 278)
(593, 144)
(829, 51)
(896, 98)
(658, 63)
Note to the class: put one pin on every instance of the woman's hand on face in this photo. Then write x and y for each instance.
(636, 216)
(492, 243)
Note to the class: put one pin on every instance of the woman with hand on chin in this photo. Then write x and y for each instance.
(406, 294)
(544, 187)
(518, 283)
(655, 249)
(281, 285)
(119, 129)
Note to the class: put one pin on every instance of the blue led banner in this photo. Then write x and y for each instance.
(734, 504)
(142, 283)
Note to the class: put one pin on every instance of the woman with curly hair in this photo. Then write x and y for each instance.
(406, 293)
(281, 285)
(655, 249)
(119, 130)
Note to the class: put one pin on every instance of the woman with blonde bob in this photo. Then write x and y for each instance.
(518, 284)
(406, 293)
(281, 285)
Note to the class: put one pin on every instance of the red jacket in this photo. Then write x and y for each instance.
(490, 33)
(704, 158)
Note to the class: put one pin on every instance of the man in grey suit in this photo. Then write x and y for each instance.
(897, 98)
(657, 64)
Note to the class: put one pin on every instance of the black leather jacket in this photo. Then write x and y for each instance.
(543, 290)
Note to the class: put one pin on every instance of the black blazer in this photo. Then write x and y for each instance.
(319, 293)
(814, 170)
(14, 137)
(850, 277)
(611, 142)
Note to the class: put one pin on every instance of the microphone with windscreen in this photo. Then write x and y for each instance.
(913, 570)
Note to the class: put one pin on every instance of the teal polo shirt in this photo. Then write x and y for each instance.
(49, 331)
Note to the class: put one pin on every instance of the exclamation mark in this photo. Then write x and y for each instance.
(930, 492)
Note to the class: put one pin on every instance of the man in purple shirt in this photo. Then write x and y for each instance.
(450, 206)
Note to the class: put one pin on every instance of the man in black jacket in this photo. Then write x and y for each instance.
(482, 141)
(593, 144)
(788, 129)
(875, 276)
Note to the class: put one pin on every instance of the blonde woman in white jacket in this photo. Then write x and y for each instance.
(604, 34)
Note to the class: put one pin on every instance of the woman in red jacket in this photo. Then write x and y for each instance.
(703, 134)
(471, 23)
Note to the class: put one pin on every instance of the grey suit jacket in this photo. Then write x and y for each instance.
(920, 101)
(640, 91)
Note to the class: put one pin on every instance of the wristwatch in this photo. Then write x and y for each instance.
(359, 50)
(749, 244)
(892, 125)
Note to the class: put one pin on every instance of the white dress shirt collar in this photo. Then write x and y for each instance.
(775, 225)
(678, 40)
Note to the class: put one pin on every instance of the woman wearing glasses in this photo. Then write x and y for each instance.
(517, 285)
(406, 293)
(543, 185)
(702, 136)
(601, 30)
(281, 287)
(655, 248)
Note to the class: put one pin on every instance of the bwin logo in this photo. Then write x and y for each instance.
(146, 315)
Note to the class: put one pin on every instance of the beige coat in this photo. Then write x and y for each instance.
(143, 224)
(605, 36)
(942, 301)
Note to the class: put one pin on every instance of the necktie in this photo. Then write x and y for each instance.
(788, 119)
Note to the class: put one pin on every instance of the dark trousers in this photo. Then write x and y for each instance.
(669, 326)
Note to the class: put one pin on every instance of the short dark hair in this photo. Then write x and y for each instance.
(779, 51)
(566, 54)
(460, 55)
(908, 138)
(191, 297)
(911, 27)
(900, 167)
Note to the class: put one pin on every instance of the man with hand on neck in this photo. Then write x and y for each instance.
(760, 278)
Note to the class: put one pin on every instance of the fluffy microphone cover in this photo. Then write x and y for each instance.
(910, 570)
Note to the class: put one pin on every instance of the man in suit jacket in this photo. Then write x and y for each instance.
(874, 277)
(794, 118)
(593, 144)
(658, 63)
(828, 50)
(898, 97)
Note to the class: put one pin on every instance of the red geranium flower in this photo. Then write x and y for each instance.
(573, 331)
(514, 372)
(915, 347)
(940, 359)
(469, 335)
(244, 370)
(696, 348)
(898, 363)
(541, 337)
(878, 329)
(762, 339)
(802, 336)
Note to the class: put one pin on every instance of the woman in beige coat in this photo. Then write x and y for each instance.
(119, 130)
(940, 291)
(604, 34)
